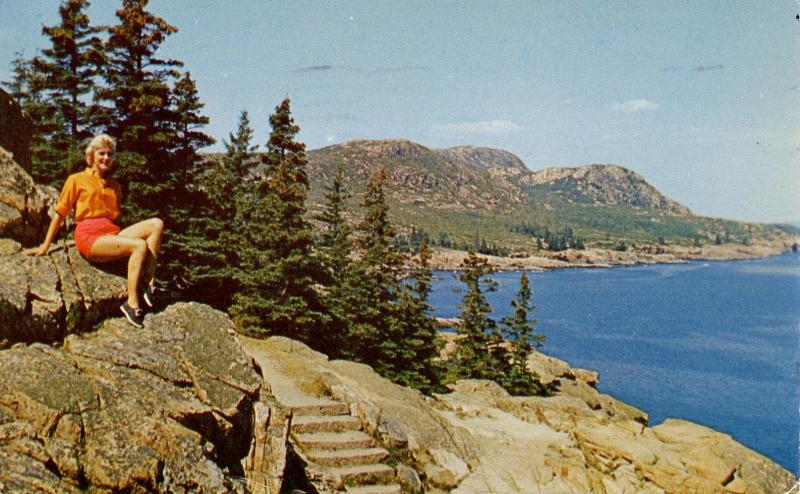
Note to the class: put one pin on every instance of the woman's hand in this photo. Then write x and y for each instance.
(42, 250)
(52, 230)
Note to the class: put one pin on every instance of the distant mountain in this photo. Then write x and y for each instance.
(417, 175)
(603, 184)
(488, 159)
(478, 178)
(465, 192)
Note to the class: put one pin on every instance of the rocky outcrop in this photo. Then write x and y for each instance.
(445, 178)
(417, 175)
(42, 299)
(479, 439)
(485, 158)
(15, 129)
(167, 408)
(604, 184)
(23, 204)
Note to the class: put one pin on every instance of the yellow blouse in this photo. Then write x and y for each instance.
(92, 196)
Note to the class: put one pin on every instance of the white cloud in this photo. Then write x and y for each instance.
(330, 138)
(485, 127)
(635, 105)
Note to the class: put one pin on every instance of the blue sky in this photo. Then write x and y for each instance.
(702, 98)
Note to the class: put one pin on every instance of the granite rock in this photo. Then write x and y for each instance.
(43, 299)
(166, 408)
(24, 206)
(478, 438)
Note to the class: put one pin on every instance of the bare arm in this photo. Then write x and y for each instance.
(52, 231)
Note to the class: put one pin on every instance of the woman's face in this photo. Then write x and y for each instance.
(102, 158)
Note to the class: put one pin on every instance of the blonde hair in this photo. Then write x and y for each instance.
(97, 142)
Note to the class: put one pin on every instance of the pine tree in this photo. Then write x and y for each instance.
(278, 271)
(139, 112)
(480, 353)
(417, 363)
(519, 331)
(68, 68)
(239, 151)
(227, 180)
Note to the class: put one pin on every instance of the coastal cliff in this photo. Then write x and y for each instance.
(90, 404)
(184, 405)
(478, 438)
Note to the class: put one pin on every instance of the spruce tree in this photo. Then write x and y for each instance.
(69, 67)
(480, 352)
(226, 180)
(417, 362)
(139, 112)
(518, 329)
(334, 251)
(372, 335)
(278, 271)
(53, 89)
(213, 242)
(188, 123)
(27, 87)
(186, 204)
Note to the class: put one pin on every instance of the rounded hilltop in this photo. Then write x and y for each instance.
(605, 184)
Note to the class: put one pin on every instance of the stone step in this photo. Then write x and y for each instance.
(325, 423)
(364, 474)
(347, 457)
(374, 489)
(334, 440)
(320, 407)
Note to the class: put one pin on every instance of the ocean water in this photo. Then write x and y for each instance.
(713, 342)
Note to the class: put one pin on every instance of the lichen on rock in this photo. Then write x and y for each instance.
(43, 299)
(478, 438)
(166, 408)
(24, 205)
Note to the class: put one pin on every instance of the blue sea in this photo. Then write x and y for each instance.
(713, 342)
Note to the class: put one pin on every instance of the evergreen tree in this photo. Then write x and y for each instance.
(417, 363)
(480, 353)
(188, 122)
(519, 331)
(187, 203)
(334, 250)
(28, 88)
(240, 150)
(213, 236)
(53, 89)
(139, 112)
(376, 274)
(68, 68)
(278, 271)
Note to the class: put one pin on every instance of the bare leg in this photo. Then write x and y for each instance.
(150, 231)
(112, 247)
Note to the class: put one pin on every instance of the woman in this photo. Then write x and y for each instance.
(96, 199)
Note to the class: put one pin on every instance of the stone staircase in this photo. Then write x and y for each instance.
(335, 444)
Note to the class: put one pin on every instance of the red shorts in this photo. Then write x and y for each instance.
(87, 231)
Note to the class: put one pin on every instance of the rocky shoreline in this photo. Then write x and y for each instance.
(87, 404)
(478, 438)
(182, 405)
(450, 260)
